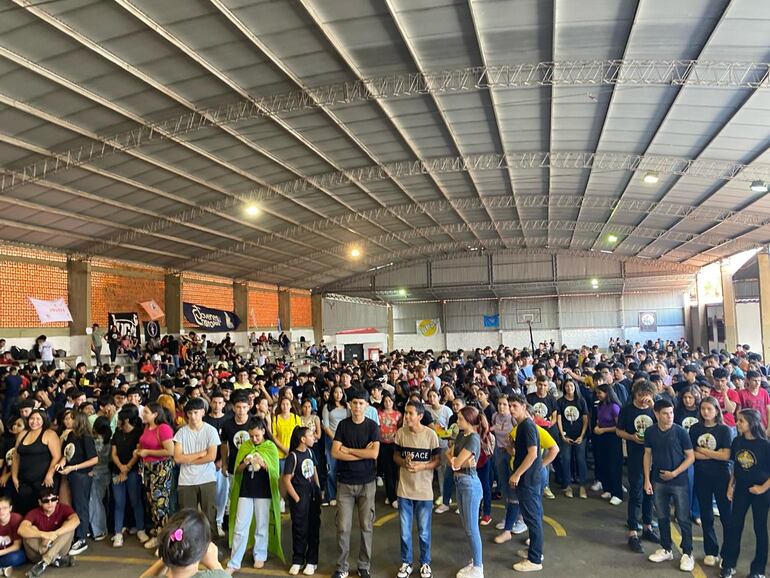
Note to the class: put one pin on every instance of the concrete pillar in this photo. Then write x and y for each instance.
(699, 318)
(728, 304)
(443, 324)
(391, 340)
(763, 260)
(284, 309)
(173, 291)
(79, 302)
(317, 316)
(241, 309)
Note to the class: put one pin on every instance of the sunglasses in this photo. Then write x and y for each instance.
(50, 500)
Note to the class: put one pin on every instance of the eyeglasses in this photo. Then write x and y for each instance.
(50, 500)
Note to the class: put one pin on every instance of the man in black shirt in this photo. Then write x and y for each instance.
(235, 431)
(216, 417)
(356, 447)
(527, 466)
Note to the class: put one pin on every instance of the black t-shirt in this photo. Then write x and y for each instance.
(668, 451)
(234, 434)
(713, 438)
(542, 406)
(686, 417)
(633, 420)
(526, 437)
(78, 450)
(125, 444)
(752, 461)
(572, 412)
(356, 436)
(301, 466)
(255, 484)
(216, 423)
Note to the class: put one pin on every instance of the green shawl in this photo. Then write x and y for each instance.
(269, 453)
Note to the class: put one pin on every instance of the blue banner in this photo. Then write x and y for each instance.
(210, 319)
(491, 320)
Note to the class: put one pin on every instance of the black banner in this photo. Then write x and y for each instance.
(127, 323)
(210, 319)
(151, 330)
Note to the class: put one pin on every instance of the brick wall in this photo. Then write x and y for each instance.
(263, 308)
(206, 294)
(19, 280)
(112, 293)
(301, 315)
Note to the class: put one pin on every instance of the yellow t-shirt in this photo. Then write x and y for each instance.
(546, 440)
(282, 430)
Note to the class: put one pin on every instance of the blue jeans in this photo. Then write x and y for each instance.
(80, 487)
(97, 510)
(331, 480)
(448, 486)
(249, 509)
(132, 488)
(694, 506)
(14, 559)
(566, 451)
(531, 504)
(406, 512)
(637, 497)
(485, 476)
(469, 499)
(222, 495)
(664, 493)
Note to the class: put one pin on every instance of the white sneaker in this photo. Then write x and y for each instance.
(464, 570)
(394, 504)
(500, 525)
(425, 571)
(442, 508)
(568, 493)
(661, 555)
(686, 563)
(309, 570)
(527, 566)
(606, 496)
(519, 527)
(548, 493)
(438, 501)
(333, 503)
(474, 572)
(405, 571)
(380, 483)
(220, 531)
(294, 570)
(711, 561)
(151, 544)
(283, 506)
(525, 554)
(615, 501)
(117, 541)
(142, 536)
(596, 486)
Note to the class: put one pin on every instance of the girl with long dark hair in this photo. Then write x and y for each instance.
(748, 488)
(390, 419)
(38, 451)
(126, 478)
(607, 445)
(335, 410)
(572, 422)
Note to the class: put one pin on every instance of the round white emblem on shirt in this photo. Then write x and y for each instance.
(641, 423)
(571, 413)
(240, 437)
(688, 422)
(69, 451)
(707, 441)
(540, 409)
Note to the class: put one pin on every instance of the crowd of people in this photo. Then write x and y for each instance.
(210, 445)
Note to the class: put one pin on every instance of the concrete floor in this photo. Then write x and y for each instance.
(594, 545)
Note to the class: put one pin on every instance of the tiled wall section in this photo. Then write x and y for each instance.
(19, 280)
(263, 308)
(112, 293)
(300, 311)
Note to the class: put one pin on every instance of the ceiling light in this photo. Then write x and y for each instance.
(402, 292)
(252, 210)
(606, 251)
(355, 252)
(612, 238)
(595, 283)
(651, 178)
(759, 186)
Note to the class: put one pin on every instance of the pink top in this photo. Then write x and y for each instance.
(152, 439)
(760, 401)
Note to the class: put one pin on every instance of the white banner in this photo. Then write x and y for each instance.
(51, 311)
(428, 327)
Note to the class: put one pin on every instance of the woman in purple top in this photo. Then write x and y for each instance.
(608, 448)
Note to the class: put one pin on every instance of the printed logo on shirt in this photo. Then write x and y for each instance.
(746, 459)
(240, 438)
(69, 451)
(9, 457)
(307, 468)
(416, 454)
(688, 422)
(707, 441)
(5, 541)
(540, 410)
(641, 423)
(571, 413)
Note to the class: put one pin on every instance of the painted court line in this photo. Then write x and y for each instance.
(676, 538)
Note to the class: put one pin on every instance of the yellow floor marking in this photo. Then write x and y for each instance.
(385, 519)
(148, 561)
(676, 537)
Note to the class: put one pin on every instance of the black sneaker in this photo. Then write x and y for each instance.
(727, 573)
(78, 547)
(650, 536)
(635, 544)
(37, 569)
(364, 573)
(65, 561)
(339, 574)
(757, 576)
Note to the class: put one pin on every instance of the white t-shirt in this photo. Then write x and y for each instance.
(194, 442)
(46, 352)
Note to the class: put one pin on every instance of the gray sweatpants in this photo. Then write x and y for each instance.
(350, 497)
